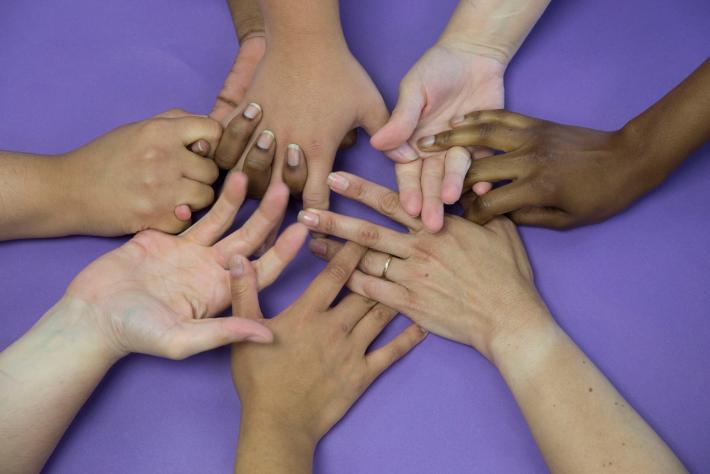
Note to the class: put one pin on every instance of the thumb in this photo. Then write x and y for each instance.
(200, 335)
(244, 288)
(375, 116)
(401, 125)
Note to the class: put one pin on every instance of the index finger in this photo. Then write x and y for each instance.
(193, 128)
(326, 286)
(488, 134)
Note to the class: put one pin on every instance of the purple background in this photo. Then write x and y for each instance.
(634, 292)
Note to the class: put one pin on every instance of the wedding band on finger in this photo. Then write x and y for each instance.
(387, 267)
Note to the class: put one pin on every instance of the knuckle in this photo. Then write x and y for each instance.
(486, 130)
(175, 352)
(235, 128)
(257, 163)
(329, 224)
(337, 272)
(389, 204)
(368, 262)
(369, 234)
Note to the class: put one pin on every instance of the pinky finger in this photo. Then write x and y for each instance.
(383, 358)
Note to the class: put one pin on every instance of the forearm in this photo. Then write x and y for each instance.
(579, 421)
(34, 200)
(493, 28)
(247, 18)
(300, 22)
(266, 447)
(45, 378)
(671, 129)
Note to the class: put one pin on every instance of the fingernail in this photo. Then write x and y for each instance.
(427, 141)
(260, 338)
(236, 266)
(407, 152)
(318, 247)
(423, 331)
(293, 155)
(251, 111)
(265, 140)
(337, 182)
(308, 218)
(201, 147)
(458, 120)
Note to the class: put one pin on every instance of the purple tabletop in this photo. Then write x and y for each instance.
(634, 292)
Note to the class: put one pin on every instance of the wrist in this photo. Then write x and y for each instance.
(72, 323)
(473, 47)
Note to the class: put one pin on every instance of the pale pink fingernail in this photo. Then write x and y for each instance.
(308, 218)
(318, 247)
(458, 120)
(338, 182)
(260, 338)
(236, 266)
(293, 155)
(252, 111)
(265, 140)
(427, 141)
(407, 152)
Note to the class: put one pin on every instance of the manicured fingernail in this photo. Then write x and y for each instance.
(407, 152)
(252, 111)
(236, 266)
(338, 182)
(265, 140)
(423, 331)
(308, 218)
(318, 247)
(458, 120)
(201, 147)
(293, 155)
(427, 141)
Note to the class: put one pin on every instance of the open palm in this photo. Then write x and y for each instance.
(156, 293)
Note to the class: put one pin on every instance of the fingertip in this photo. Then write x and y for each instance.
(318, 247)
(482, 188)
(183, 212)
(451, 192)
(411, 203)
(433, 220)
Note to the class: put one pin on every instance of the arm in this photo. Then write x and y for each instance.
(133, 300)
(565, 176)
(462, 72)
(138, 176)
(295, 391)
(579, 421)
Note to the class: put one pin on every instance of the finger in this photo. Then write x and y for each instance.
(194, 194)
(372, 263)
(198, 168)
(252, 234)
(207, 230)
(270, 265)
(244, 288)
(404, 119)
(200, 335)
(357, 230)
(456, 164)
(384, 291)
(258, 162)
(201, 147)
(295, 172)
(316, 193)
(183, 212)
(351, 309)
(381, 199)
(490, 135)
(409, 183)
(371, 325)
(195, 127)
(543, 217)
(326, 286)
(375, 116)
(503, 200)
(236, 136)
(432, 206)
(381, 359)
(508, 166)
(500, 116)
(173, 113)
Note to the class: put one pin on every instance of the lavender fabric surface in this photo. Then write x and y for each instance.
(634, 292)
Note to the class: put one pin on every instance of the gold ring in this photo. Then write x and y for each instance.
(387, 267)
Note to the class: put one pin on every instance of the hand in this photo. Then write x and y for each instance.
(446, 82)
(311, 99)
(318, 365)
(561, 176)
(467, 283)
(154, 294)
(141, 175)
(239, 78)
